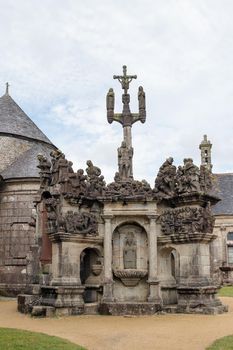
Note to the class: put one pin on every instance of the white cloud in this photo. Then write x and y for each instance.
(60, 57)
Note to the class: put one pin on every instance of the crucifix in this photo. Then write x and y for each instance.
(126, 119)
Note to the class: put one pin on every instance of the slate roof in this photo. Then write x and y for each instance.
(14, 121)
(223, 188)
(26, 164)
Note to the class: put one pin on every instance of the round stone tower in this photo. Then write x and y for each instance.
(20, 143)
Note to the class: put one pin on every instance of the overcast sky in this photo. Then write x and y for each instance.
(59, 58)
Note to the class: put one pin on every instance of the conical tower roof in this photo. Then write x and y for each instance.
(20, 142)
(14, 121)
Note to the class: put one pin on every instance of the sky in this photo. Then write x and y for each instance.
(60, 57)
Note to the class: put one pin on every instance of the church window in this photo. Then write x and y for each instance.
(230, 255)
(230, 236)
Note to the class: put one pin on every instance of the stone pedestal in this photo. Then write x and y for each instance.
(155, 293)
(66, 300)
(199, 300)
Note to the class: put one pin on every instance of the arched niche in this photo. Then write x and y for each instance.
(130, 247)
(91, 269)
(130, 263)
(168, 273)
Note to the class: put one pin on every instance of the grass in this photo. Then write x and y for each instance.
(15, 339)
(226, 291)
(225, 343)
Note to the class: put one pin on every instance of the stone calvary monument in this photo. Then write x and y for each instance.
(124, 247)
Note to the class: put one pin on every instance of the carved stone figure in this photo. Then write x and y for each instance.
(130, 252)
(44, 166)
(205, 179)
(95, 179)
(141, 98)
(64, 169)
(52, 217)
(165, 181)
(125, 155)
(110, 102)
(55, 170)
(188, 177)
(142, 103)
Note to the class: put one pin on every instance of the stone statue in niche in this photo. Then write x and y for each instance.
(130, 252)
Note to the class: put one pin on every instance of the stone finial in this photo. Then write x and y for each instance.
(7, 88)
(205, 147)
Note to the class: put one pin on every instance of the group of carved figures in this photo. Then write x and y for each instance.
(60, 171)
(188, 178)
(76, 184)
(170, 180)
(187, 220)
(72, 222)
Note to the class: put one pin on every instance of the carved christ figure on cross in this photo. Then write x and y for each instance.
(125, 79)
(126, 119)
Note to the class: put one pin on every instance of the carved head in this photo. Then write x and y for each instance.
(89, 163)
(40, 157)
(129, 240)
(170, 160)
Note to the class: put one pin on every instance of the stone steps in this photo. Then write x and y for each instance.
(170, 308)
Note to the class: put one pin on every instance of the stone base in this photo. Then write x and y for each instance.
(66, 300)
(127, 308)
(26, 302)
(201, 300)
(12, 289)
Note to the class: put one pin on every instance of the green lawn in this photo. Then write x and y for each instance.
(14, 339)
(225, 343)
(226, 292)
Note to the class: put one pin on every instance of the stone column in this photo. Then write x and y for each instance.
(108, 281)
(127, 136)
(155, 295)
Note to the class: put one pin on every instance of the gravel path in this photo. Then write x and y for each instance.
(163, 332)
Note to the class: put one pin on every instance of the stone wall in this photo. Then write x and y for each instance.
(16, 233)
(221, 266)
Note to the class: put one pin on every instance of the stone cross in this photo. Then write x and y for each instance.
(126, 119)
